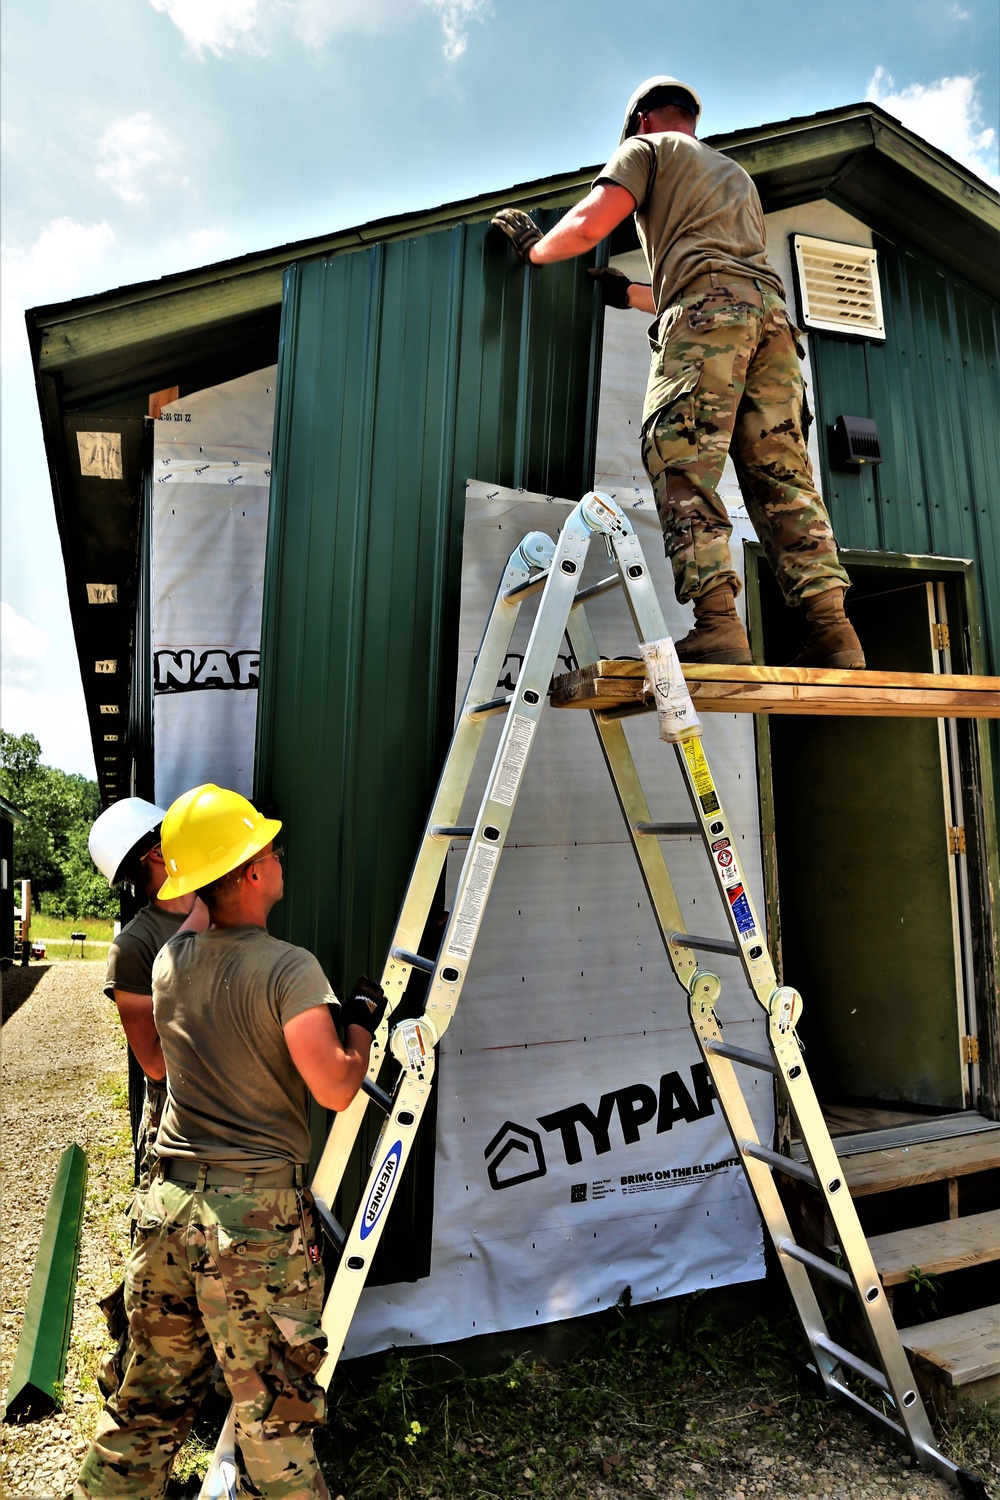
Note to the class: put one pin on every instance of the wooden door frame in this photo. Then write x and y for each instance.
(979, 801)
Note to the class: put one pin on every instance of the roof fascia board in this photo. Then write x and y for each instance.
(937, 173)
(809, 146)
(66, 333)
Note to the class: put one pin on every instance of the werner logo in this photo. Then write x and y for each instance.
(515, 1154)
(379, 1195)
(205, 669)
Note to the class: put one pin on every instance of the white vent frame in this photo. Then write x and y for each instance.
(838, 286)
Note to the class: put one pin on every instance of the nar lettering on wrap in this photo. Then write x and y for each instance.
(205, 669)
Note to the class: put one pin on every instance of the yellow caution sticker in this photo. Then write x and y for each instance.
(701, 776)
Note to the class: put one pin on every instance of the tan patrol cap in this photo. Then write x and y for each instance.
(650, 86)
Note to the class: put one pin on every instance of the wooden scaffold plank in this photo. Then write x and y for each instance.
(617, 687)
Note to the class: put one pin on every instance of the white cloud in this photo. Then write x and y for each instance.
(221, 26)
(218, 25)
(136, 151)
(455, 17)
(947, 113)
(22, 641)
(959, 13)
(59, 264)
(59, 722)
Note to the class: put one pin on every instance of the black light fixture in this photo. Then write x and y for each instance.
(855, 442)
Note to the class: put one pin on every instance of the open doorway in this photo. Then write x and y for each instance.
(871, 880)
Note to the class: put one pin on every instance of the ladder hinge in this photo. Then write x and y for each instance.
(970, 1049)
(941, 636)
(956, 840)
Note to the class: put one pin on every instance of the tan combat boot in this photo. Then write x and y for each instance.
(832, 641)
(718, 635)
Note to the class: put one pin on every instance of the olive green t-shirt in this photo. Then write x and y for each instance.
(696, 212)
(131, 955)
(221, 999)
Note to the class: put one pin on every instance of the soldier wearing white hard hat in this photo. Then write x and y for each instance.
(124, 844)
(724, 376)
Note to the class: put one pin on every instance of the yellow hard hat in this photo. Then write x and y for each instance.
(206, 833)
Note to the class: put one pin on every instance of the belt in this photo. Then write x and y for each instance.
(199, 1174)
(715, 279)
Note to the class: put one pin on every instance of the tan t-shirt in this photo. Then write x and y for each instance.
(220, 1001)
(696, 212)
(131, 955)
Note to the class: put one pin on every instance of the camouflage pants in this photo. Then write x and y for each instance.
(152, 1109)
(228, 1275)
(725, 378)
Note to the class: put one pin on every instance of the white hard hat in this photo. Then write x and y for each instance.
(119, 830)
(651, 84)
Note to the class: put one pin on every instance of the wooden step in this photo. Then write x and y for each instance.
(936, 1248)
(617, 686)
(931, 1161)
(958, 1356)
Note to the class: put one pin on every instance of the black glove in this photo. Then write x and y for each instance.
(613, 285)
(520, 229)
(365, 1005)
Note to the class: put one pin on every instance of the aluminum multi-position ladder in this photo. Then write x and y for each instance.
(554, 570)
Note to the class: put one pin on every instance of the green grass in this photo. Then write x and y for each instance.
(46, 928)
(632, 1413)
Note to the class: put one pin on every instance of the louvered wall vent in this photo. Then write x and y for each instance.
(838, 287)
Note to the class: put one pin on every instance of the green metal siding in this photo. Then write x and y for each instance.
(933, 390)
(404, 370)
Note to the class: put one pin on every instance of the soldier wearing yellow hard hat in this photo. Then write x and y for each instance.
(226, 1261)
(724, 377)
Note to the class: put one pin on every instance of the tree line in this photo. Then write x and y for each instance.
(50, 846)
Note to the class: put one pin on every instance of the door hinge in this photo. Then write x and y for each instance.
(941, 636)
(970, 1049)
(956, 840)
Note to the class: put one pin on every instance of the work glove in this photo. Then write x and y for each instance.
(520, 229)
(613, 285)
(365, 1006)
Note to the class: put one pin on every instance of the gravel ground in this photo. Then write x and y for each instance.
(64, 1068)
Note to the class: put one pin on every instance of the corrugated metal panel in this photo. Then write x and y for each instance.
(404, 370)
(933, 390)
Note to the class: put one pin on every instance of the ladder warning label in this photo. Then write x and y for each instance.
(512, 762)
(701, 776)
(742, 915)
(470, 907)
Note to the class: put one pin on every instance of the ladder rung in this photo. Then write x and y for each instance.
(487, 710)
(816, 1263)
(415, 960)
(334, 1229)
(603, 586)
(525, 590)
(779, 1163)
(380, 1097)
(741, 1055)
(449, 831)
(706, 944)
(859, 1401)
(660, 830)
(845, 1357)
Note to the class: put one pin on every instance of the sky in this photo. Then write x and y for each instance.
(144, 137)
